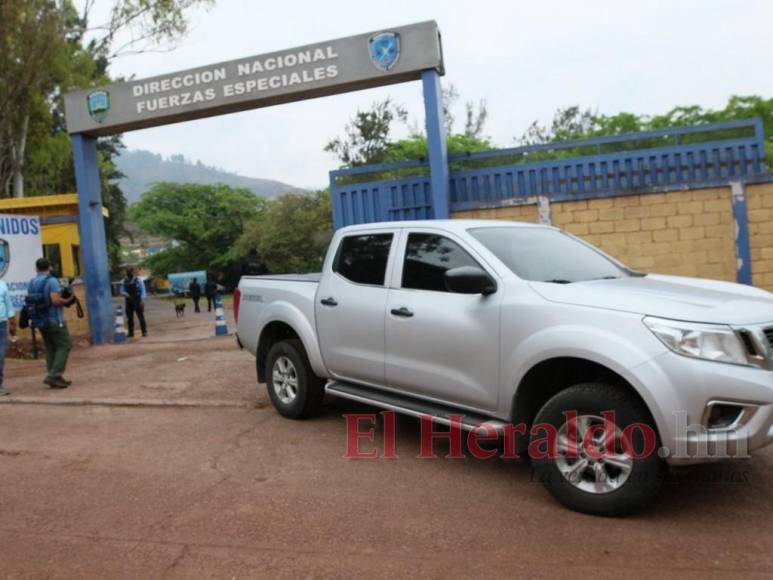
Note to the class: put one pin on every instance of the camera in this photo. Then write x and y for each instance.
(66, 292)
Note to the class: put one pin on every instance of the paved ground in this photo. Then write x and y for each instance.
(164, 461)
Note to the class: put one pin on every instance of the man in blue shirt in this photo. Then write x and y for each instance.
(7, 324)
(133, 289)
(51, 323)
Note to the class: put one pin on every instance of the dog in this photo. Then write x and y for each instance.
(179, 310)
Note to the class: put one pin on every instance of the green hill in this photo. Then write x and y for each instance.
(144, 168)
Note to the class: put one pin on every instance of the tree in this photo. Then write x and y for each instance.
(567, 123)
(149, 24)
(449, 95)
(204, 220)
(415, 147)
(292, 234)
(366, 137)
(32, 33)
(475, 121)
(112, 198)
(576, 123)
(44, 52)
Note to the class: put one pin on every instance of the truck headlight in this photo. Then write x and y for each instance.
(715, 342)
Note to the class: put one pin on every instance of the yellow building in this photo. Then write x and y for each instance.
(61, 242)
(59, 228)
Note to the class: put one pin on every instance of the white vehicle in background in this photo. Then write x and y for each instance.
(510, 323)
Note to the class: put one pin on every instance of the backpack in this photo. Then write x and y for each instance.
(37, 304)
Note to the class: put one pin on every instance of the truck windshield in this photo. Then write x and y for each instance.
(545, 255)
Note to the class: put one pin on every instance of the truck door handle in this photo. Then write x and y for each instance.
(403, 311)
(330, 301)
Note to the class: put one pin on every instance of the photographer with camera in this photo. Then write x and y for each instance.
(44, 305)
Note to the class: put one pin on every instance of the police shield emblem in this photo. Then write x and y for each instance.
(98, 104)
(384, 50)
(5, 257)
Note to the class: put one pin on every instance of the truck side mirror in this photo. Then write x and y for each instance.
(469, 280)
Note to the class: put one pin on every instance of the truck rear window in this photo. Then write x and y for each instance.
(363, 259)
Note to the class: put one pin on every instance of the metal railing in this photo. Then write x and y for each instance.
(603, 166)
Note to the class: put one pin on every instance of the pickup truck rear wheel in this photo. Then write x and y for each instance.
(295, 391)
(595, 467)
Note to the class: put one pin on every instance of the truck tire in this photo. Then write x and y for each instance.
(295, 391)
(615, 484)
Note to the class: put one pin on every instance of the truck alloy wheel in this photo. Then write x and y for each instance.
(588, 472)
(295, 391)
(587, 475)
(285, 380)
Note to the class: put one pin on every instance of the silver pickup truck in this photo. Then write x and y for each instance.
(603, 375)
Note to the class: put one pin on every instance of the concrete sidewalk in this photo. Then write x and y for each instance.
(180, 360)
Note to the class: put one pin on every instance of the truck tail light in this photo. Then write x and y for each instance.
(237, 301)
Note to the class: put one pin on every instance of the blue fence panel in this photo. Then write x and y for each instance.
(407, 198)
(677, 162)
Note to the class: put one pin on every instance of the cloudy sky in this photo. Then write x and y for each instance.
(525, 58)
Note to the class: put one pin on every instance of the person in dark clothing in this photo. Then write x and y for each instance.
(195, 289)
(210, 289)
(253, 265)
(133, 289)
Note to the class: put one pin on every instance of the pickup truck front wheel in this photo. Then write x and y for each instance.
(295, 391)
(591, 464)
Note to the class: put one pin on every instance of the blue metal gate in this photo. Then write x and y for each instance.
(661, 160)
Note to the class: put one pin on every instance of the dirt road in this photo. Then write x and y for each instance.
(164, 461)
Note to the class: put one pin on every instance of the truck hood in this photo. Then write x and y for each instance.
(676, 297)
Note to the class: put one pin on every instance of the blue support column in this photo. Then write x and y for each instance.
(436, 141)
(91, 226)
(741, 220)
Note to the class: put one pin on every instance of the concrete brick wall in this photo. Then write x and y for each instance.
(759, 199)
(516, 213)
(688, 233)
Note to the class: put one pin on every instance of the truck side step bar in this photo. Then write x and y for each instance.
(409, 406)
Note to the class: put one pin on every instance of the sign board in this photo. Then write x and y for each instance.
(20, 247)
(357, 62)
